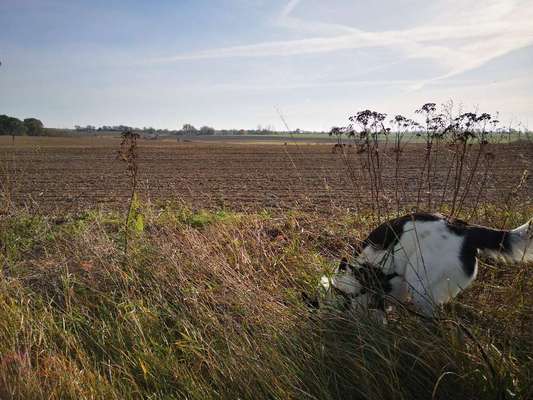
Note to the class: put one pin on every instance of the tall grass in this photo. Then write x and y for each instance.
(209, 306)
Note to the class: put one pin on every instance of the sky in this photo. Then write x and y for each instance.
(241, 63)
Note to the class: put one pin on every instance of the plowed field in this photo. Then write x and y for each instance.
(56, 174)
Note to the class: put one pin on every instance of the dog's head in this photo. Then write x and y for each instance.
(361, 286)
(345, 279)
(342, 290)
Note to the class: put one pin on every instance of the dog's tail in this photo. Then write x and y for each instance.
(514, 245)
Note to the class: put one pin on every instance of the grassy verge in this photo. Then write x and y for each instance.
(207, 305)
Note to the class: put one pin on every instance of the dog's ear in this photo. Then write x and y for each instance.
(343, 266)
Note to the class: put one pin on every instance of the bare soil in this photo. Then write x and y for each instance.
(70, 174)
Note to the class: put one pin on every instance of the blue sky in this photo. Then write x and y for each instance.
(230, 63)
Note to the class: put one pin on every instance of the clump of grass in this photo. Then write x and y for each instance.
(209, 306)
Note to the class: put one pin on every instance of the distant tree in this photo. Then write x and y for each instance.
(87, 128)
(34, 127)
(207, 130)
(4, 125)
(188, 129)
(11, 126)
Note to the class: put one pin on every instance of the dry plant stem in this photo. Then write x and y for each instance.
(512, 195)
(374, 182)
(448, 174)
(379, 178)
(284, 121)
(429, 150)
(374, 170)
(397, 150)
(425, 172)
(421, 181)
(372, 178)
(128, 215)
(480, 190)
(351, 173)
(365, 176)
(458, 175)
(128, 154)
(300, 178)
(470, 178)
(436, 157)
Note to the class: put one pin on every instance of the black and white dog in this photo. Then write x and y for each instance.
(426, 259)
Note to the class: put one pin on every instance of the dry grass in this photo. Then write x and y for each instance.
(208, 306)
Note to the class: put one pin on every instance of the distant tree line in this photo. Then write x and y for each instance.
(16, 127)
(187, 130)
(34, 127)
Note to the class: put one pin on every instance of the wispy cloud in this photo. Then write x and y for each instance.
(286, 19)
(400, 83)
(467, 36)
(289, 8)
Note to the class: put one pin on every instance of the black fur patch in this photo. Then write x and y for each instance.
(481, 238)
(373, 280)
(343, 266)
(311, 302)
(388, 233)
(478, 238)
